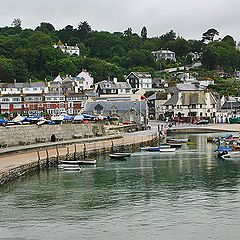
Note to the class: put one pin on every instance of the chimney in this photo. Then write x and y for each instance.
(14, 81)
(30, 80)
(115, 80)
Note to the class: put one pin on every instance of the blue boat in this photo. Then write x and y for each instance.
(151, 149)
(222, 150)
(3, 121)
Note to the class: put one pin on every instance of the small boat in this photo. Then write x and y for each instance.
(123, 154)
(180, 140)
(175, 145)
(151, 149)
(164, 145)
(87, 161)
(191, 143)
(117, 156)
(68, 162)
(210, 139)
(158, 149)
(69, 167)
(167, 149)
(222, 150)
(231, 156)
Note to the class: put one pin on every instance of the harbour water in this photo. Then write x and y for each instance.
(184, 195)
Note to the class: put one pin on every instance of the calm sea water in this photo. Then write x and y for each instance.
(184, 195)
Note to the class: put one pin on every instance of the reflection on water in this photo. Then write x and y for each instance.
(183, 195)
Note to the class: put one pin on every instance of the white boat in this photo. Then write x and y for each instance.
(87, 162)
(41, 122)
(231, 156)
(164, 145)
(69, 167)
(178, 140)
(57, 118)
(167, 149)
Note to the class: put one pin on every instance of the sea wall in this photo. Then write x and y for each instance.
(48, 160)
(28, 134)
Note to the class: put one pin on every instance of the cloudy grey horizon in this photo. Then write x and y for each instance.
(188, 18)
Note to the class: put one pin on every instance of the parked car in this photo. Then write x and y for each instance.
(204, 121)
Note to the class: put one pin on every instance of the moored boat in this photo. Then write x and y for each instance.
(175, 145)
(167, 149)
(87, 162)
(231, 156)
(158, 149)
(69, 167)
(151, 149)
(117, 156)
(178, 140)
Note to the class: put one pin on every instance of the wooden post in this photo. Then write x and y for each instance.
(84, 150)
(39, 159)
(67, 155)
(57, 154)
(112, 147)
(75, 152)
(47, 157)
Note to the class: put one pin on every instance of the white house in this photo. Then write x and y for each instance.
(164, 54)
(110, 89)
(68, 49)
(139, 80)
(85, 80)
(190, 100)
(23, 88)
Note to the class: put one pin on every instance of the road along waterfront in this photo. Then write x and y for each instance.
(186, 195)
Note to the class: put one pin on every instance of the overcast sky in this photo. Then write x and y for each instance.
(188, 18)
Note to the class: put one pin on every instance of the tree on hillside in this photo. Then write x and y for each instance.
(209, 35)
(45, 27)
(83, 29)
(169, 36)
(128, 32)
(144, 33)
(66, 33)
(229, 39)
(16, 23)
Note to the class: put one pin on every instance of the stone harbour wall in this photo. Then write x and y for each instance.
(28, 134)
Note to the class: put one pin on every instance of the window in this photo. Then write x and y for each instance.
(193, 105)
(200, 105)
(16, 99)
(99, 111)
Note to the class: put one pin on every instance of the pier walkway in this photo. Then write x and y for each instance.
(208, 128)
(12, 158)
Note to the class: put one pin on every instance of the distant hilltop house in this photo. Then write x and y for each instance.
(68, 49)
(139, 80)
(237, 75)
(164, 54)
